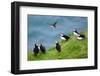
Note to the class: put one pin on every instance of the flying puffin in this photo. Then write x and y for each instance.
(76, 33)
(58, 47)
(64, 37)
(42, 49)
(36, 50)
(53, 25)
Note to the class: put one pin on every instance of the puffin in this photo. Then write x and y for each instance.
(64, 37)
(58, 47)
(76, 33)
(81, 37)
(42, 49)
(53, 25)
(36, 50)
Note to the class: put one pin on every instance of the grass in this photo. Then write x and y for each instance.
(71, 49)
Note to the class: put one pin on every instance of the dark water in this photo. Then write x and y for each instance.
(39, 30)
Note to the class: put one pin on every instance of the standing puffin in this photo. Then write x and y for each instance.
(36, 50)
(42, 49)
(64, 37)
(53, 25)
(76, 33)
(58, 47)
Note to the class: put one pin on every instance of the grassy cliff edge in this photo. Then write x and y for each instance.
(71, 49)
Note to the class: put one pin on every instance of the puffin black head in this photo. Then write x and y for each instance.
(75, 30)
(61, 34)
(42, 48)
(36, 50)
(36, 45)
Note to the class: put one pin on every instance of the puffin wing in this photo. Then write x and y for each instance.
(66, 37)
(58, 47)
(83, 36)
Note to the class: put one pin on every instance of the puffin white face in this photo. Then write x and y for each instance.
(56, 41)
(74, 30)
(61, 34)
(36, 44)
(76, 34)
(62, 38)
(51, 26)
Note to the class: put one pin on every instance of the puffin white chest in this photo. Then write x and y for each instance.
(52, 26)
(80, 38)
(76, 34)
(62, 38)
(39, 47)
